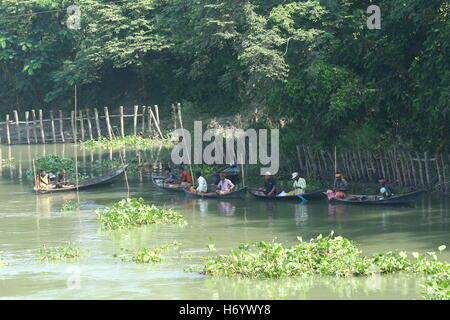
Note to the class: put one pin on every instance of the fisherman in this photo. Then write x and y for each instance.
(42, 180)
(339, 187)
(386, 190)
(172, 176)
(225, 185)
(202, 185)
(299, 183)
(269, 188)
(185, 176)
(61, 179)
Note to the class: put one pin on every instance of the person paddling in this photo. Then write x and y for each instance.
(299, 184)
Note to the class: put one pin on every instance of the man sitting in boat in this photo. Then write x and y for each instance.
(339, 187)
(225, 185)
(172, 177)
(185, 176)
(269, 188)
(386, 190)
(202, 184)
(299, 184)
(43, 181)
(61, 179)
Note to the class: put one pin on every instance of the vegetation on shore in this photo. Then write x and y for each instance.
(311, 68)
(133, 212)
(59, 253)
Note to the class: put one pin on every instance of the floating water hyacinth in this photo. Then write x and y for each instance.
(133, 212)
(59, 253)
(332, 256)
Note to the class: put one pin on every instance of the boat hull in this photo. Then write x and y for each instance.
(370, 200)
(102, 180)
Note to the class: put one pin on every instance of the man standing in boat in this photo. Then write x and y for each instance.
(202, 185)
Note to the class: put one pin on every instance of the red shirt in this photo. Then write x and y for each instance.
(187, 176)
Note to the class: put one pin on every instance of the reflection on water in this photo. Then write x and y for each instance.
(29, 221)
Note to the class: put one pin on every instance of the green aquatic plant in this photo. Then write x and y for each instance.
(59, 253)
(2, 262)
(7, 162)
(331, 256)
(53, 164)
(70, 206)
(133, 212)
(134, 142)
(145, 255)
(438, 287)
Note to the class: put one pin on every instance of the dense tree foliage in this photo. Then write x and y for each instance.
(312, 67)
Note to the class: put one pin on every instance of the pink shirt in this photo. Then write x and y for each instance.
(225, 185)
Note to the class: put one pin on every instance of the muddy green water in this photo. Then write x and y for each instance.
(28, 222)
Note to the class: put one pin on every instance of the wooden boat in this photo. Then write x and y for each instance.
(158, 181)
(105, 179)
(212, 195)
(405, 198)
(314, 195)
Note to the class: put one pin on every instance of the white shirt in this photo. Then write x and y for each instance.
(202, 185)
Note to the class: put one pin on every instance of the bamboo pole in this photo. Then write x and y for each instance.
(157, 114)
(419, 161)
(8, 135)
(27, 123)
(33, 113)
(16, 118)
(108, 123)
(88, 117)
(122, 125)
(52, 119)
(135, 119)
(143, 119)
(427, 171)
(41, 124)
(97, 124)
(156, 123)
(61, 126)
(81, 125)
(74, 131)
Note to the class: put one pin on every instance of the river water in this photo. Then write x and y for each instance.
(29, 221)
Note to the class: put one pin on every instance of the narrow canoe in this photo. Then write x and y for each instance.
(314, 195)
(405, 198)
(212, 195)
(158, 181)
(105, 179)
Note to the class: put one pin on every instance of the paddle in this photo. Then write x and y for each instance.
(301, 197)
